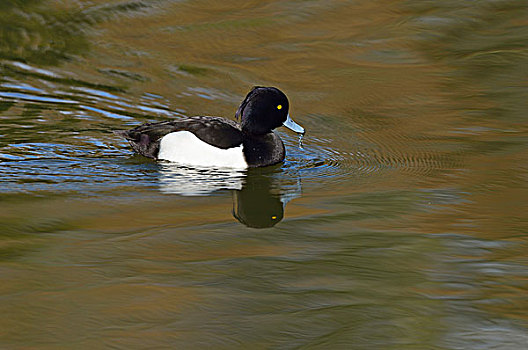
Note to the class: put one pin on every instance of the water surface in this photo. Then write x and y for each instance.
(401, 224)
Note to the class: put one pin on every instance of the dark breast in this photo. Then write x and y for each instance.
(263, 150)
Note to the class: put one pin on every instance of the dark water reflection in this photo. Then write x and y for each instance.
(259, 195)
(262, 200)
(401, 223)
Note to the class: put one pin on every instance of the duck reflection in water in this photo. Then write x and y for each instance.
(259, 196)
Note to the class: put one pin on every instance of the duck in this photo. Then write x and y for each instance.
(211, 141)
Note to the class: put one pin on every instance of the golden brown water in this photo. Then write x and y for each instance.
(401, 224)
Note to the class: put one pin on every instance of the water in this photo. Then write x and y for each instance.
(401, 223)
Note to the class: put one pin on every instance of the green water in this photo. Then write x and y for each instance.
(400, 224)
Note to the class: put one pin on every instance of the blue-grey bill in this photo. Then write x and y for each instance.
(290, 124)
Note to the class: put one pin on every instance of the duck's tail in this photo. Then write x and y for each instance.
(141, 143)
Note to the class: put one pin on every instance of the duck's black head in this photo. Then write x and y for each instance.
(263, 109)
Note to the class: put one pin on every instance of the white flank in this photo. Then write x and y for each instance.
(184, 147)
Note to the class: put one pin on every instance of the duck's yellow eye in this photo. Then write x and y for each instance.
(279, 107)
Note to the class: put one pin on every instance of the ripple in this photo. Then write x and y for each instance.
(28, 68)
(71, 175)
(35, 98)
(412, 155)
(321, 161)
(107, 114)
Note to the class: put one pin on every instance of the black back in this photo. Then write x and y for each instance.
(216, 131)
